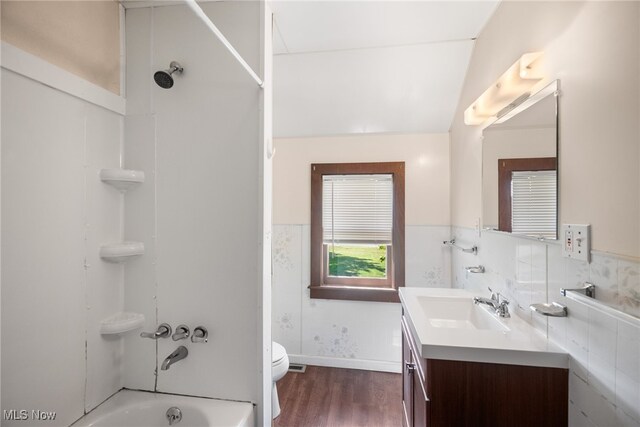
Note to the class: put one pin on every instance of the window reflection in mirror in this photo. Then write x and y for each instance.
(519, 169)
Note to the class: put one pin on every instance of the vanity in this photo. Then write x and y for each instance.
(463, 365)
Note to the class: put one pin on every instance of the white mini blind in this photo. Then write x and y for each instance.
(534, 203)
(357, 208)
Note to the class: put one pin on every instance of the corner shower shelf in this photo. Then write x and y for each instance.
(122, 179)
(120, 252)
(120, 323)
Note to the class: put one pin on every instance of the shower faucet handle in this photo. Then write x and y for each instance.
(182, 332)
(163, 331)
(200, 334)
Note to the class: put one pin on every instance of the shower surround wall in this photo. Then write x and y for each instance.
(58, 131)
(56, 213)
(356, 334)
(599, 154)
(200, 210)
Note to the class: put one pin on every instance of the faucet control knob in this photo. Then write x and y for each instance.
(200, 334)
(502, 310)
(501, 299)
(163, 331)
(182, 332)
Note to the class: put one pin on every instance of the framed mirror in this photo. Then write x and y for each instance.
(520, 168)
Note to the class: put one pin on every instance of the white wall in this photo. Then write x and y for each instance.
(599, 184)
(82, 37)
(200, 213)
(55, 215)
(426, 158)
(354, 333)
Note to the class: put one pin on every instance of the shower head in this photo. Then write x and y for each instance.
(164, 79)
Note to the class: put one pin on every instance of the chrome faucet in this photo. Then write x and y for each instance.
(496, 302)
(492, 302)
(180, 353)
(489, 301)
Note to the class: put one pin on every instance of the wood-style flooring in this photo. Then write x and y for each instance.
(335, 397)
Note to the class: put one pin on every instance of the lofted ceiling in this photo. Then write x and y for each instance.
(344, 67)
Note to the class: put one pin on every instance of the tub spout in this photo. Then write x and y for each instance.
(180, 353)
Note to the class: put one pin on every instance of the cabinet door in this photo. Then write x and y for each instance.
(407, 381)
(420, 402)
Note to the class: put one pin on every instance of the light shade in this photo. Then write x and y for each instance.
(514, 86)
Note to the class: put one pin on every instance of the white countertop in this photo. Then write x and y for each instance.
(506, 340)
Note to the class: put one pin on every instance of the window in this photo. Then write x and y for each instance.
(527, 200)
(357, 231)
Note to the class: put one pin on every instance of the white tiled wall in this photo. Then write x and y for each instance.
(347, 333)
(604, 386)
(55, 215)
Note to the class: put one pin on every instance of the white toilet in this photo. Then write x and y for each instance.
(279, 367)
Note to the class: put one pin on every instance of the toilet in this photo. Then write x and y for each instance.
(279, 367)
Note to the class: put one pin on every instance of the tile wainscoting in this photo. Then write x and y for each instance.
(604, 386)
(351, 334)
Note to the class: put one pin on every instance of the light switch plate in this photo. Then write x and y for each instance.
(576, 241)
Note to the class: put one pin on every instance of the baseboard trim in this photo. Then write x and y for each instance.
(339, 362)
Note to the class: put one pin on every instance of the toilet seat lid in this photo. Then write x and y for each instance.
(277, 352)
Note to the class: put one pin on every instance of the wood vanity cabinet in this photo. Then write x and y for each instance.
(449, 393)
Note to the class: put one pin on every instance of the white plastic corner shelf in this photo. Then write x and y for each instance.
(120, 323)
(121, 252)
(122, 179)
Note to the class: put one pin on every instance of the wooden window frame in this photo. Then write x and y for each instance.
(505, 169)
(347, 288)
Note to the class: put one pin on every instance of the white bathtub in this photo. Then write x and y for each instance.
(143, 409)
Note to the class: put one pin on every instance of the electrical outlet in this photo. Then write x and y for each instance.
(576, 241)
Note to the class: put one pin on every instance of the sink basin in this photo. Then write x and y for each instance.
(458, 313)
(447, 325)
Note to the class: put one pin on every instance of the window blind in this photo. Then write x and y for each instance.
(534, 203)
(357, 208)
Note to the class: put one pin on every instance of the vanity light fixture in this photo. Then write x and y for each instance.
(511, 89)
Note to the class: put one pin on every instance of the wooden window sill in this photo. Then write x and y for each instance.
(352, 293)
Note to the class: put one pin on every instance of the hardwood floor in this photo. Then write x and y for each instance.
(335, 397)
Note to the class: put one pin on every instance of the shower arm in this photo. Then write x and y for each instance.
(200, 13)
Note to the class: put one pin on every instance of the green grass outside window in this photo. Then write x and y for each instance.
(357, 261)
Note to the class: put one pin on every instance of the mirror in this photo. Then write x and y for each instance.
(519, 168)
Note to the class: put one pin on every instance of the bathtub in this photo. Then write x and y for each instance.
(129, 408)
